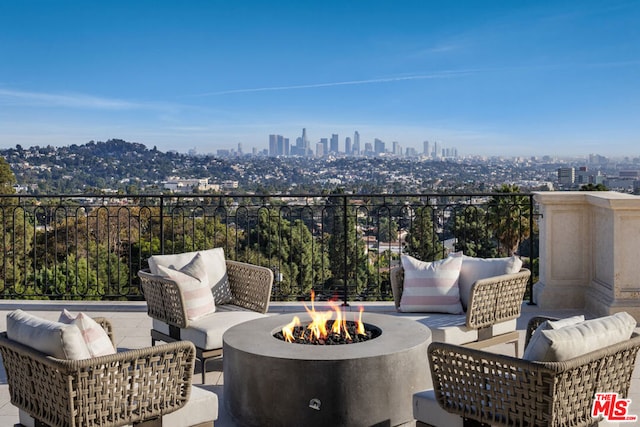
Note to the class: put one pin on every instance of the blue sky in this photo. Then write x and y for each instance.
(487, 77)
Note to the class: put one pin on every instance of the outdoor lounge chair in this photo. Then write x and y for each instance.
(491, 304)
(499, 390)
(247, 297)
(142, 387)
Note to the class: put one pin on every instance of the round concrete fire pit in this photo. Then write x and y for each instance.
(269, 382)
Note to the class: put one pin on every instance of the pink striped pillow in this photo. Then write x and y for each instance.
(194, 285)
(431, 286)
(94, 336)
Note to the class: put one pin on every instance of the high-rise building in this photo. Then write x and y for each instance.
(425, 148)
(305, 143)
(397, 148)
(347, 146)
(437, 150)
(325, 146)
(356, 143)
(273, 145)
(566, 176)
(379, 146)
(368, 149)
(278, 145)
(333, 148)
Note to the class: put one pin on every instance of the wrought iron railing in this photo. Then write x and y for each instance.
(338, 245)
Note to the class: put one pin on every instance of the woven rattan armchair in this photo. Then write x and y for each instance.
(500, 390)
(125, 388)
(492, 301)
(251, 290)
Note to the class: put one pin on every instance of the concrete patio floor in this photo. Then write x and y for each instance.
(131, 327)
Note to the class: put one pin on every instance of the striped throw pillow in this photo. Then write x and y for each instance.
(193, 283)
(431, 286)
(96, 338)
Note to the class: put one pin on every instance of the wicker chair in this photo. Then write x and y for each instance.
(251, 289)
(493, 302)
(500, 390)
(130, 387)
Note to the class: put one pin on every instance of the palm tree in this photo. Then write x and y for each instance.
(508, 218)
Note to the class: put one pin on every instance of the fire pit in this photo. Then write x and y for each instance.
(268, 381)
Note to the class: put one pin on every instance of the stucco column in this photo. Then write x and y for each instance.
(565, 250)
(589, 252)
(615, 281)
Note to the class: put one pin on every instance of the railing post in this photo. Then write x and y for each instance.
(346, 248)
(531, 257)
(162, 224)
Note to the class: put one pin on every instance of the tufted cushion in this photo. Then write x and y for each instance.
(566, 342)
(192, 280)
(97, 340)
(215, 266)
(431, 286)
(53, 338)
(474, 269)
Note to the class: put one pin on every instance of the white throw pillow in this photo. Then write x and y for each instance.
(570, 341)
(431, 286)
(538, 345)
(53, 338)
(192, 281)
(215, 265)
(474, 269)
(95, 337)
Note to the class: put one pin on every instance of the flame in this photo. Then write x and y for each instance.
(317, 327)
(360, 325)
(287, 330)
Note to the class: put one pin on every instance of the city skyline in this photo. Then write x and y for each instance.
(526, 78)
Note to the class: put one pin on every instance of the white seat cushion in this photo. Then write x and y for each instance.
(206, 332)
(452, 329)
(201, 407)
(427, 410)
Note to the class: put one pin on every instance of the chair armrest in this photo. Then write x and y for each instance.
(396, 278)
(120, 389)
(502, 390)
(250, 285)
(496, 299)
(164, 299)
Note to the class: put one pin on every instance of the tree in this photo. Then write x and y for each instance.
(7, 178)
(422, 241)
(16, 237)
(508, 218)
(591, 187)
(288, 248)
(387, 230)
(347, 257)
(471, 233)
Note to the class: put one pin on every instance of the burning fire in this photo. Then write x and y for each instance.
(318, 324)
